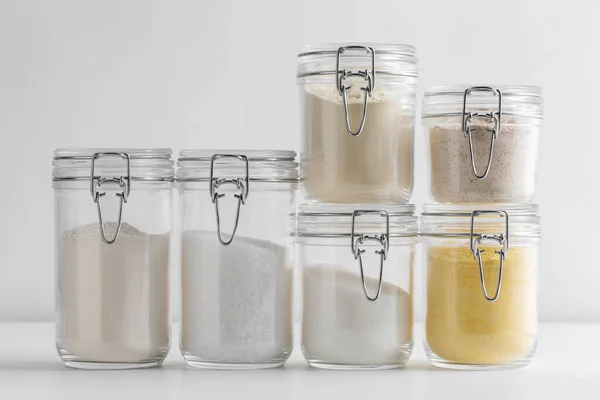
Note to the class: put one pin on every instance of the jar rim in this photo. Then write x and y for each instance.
(389, 60)
(335, 219)
(145, 164)
(277, 166)
(459, 219)
(513, 100)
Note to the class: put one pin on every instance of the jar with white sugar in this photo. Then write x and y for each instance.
(357, 109)
(113, 224)
(236, 259)
(483, 142)
(357, 293)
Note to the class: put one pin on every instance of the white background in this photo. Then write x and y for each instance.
(205, 74)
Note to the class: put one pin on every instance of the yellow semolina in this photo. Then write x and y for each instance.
(461, 326)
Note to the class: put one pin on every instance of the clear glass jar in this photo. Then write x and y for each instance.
(113, 225)
(357, 298)
(483, 142)
(357, 109)
(481, 272)
(237, 261)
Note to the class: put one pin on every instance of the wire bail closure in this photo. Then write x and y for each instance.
(382, 239)
(501, 239)
(123, 181)
(494, 118)
(368, 76)
(243, 184)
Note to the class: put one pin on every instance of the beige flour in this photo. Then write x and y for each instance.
(375, 166)
(512, 173)
(340, 326)
(113, 300)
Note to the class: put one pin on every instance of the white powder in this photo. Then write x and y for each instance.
(512, 172)
(340, 326)
(374, 166)
(237, 301)
(113, 300)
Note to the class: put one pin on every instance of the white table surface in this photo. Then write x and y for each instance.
(566, 366)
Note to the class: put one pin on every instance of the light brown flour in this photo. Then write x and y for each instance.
(113, 300)
(375, 166)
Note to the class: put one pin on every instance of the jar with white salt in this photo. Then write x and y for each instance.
(357, 293)
(237, 260)
(357, 110)
(481, 284)
(482, 142)
(113, 224)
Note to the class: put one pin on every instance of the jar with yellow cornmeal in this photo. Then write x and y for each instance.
(474, 320)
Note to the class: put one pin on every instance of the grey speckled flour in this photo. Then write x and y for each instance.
(237, 301)
(512, 173)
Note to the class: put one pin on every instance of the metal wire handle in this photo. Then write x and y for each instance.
(123, 182)
(369, 77)
(494, 117)
(501, 239)
(241, 184)
(357, 240)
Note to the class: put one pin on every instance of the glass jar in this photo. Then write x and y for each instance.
(236, 259)
(357, 302)
(113, 226)
(481, 272)
(357, 109)
(483, 142)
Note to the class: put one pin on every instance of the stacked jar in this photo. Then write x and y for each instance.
(481, 233)
(356, 233)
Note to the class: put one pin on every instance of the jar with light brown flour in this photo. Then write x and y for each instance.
(113, 225)
(357, 108)
(481, 284)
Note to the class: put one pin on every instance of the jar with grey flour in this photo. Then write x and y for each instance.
(482, 142)
(357, 108)
(113, 226)
(237, 214)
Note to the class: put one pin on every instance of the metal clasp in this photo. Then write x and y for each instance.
(493, 117)
(243, 184)
(123, 181)
(383, 239)
(369, 77)
(501, 239)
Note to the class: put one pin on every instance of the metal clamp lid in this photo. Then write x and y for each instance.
(243, 184)
(477, 239)
(369, 77)
(123, 182)
(383, 239)
(494, 117)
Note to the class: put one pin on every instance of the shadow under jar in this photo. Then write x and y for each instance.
(113, 224)
(357, 298)
(481, 273)
(357, 109)
(483, 142)
(237, 261)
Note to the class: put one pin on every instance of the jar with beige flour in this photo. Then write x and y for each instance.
(357, 106)
(113, 225)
